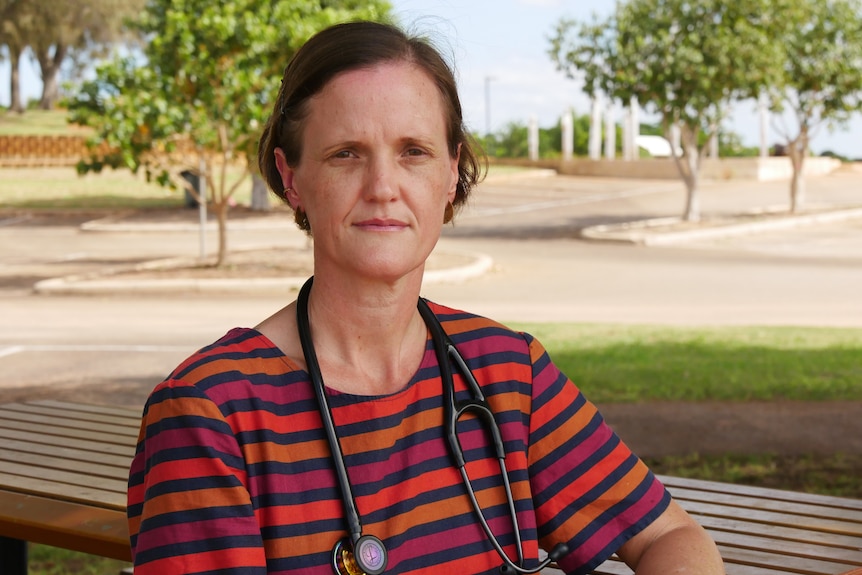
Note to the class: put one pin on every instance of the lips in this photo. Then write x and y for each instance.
(381, 224)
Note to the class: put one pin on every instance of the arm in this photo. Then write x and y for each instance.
(189, 509)
(673, 543)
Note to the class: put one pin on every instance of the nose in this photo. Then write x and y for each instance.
(381, 183)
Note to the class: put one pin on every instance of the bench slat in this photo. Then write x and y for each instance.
(52, 433)
(787, 548)
(65, 452)
(780, 563)
(119, 449)
(752, 502)
(779, 533)
(8, 416)
(63, 524)
(836, 526)
(761, 492)
(89, 417)
(91, 408)
(77, 487)
(43, 466)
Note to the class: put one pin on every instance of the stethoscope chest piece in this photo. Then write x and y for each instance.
(368, 556)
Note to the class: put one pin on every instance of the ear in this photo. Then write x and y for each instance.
(453, 165)
(287, 174)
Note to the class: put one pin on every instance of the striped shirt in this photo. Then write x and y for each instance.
(233, 473)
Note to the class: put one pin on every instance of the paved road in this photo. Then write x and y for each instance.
(541, 272)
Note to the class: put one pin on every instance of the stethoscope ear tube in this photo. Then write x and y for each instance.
(313, 367)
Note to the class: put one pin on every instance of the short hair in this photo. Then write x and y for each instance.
(351, 46)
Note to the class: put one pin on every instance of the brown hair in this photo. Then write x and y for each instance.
(351, 46)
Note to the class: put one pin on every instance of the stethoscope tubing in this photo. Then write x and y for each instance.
(354, 524)
(447, 354)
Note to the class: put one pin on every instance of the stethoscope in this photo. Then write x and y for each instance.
(359, 553)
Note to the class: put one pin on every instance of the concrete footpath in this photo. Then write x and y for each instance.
(517, 253)
(536, 247)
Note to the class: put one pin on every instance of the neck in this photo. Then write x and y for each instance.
(369, 339)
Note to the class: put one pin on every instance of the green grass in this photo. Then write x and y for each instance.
(622, 363)
(45, 560)
(61, 188)
(36, 123)
(830, 474)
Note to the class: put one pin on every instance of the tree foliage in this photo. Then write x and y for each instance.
(683, 60)
(198, 94)
(58, 33)
(821, 77)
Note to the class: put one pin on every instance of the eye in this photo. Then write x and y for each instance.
(415, 152)
(343, 154)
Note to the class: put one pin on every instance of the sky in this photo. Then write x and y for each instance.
(507, 41)
(502, 45)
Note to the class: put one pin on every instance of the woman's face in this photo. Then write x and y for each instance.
(376, 172)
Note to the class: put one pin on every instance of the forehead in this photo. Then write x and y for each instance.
(390, 86)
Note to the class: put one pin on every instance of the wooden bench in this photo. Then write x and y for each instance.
(63, 472)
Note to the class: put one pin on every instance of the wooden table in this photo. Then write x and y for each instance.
(63, 472)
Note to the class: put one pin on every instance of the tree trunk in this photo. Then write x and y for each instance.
(689, 170)
(259, 194)
(15, 103)
(692, 182)
(50, 67)
(797, 150)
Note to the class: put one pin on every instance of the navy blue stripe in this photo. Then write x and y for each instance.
(174, 548)
(203, 514)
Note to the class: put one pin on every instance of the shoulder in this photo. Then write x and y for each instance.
(243, 356)
(468, 328)
(460, 324)
(487, 341)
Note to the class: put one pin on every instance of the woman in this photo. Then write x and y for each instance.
(320, 440)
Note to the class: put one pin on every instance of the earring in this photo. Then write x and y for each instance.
(301, 219)
(299, 215)
(448, 213)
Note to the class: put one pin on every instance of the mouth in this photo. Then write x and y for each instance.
(381, 224)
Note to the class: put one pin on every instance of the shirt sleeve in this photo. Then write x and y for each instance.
(189, 508)
(590, 491)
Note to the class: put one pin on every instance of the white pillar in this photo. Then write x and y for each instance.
(533, 138)
(635, 129)
(713, 144)
(627, 134)
(568, 134)
(595, 141)
(610, 132)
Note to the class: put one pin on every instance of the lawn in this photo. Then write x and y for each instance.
(642, 363)
(37, 123)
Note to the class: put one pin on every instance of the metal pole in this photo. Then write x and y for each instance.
(202, 206)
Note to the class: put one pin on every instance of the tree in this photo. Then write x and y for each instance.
(821, 80)
(57, 31)
(685, 61)
(15, 23)
(197, 96)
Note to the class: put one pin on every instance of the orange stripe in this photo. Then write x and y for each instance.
(211, 561)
